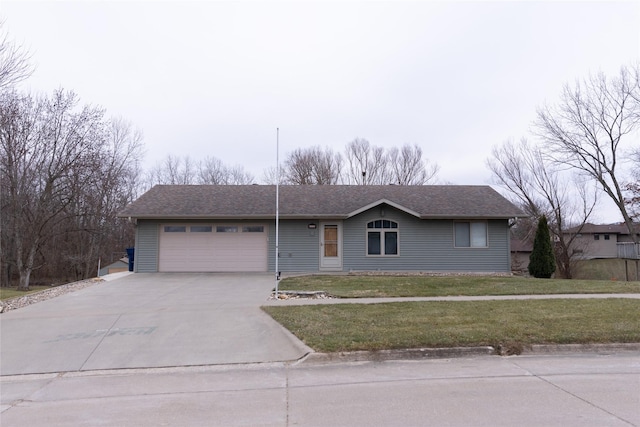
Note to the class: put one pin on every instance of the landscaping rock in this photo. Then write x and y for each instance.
(28, 299)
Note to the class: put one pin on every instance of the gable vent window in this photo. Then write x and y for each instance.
(382, 238)
(471, 234)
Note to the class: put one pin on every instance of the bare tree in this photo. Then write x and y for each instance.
(312, 166)
(92, 229)
(47, 150)
(589, 128)
(367, 164)
(238, 176)
(213, 171)
(14, 61)
(409, 168)
(269, 176)
(542, 189)
(298, 167)
(173, 170)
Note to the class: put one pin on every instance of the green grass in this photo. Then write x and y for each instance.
(431, 286)
(351, 327)
(6, 293)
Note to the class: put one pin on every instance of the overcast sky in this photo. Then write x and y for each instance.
(217, 78)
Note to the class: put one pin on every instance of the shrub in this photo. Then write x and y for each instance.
(542, 263)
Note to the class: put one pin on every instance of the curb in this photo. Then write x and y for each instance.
(582, 348)
(407, 354)
(458, 352)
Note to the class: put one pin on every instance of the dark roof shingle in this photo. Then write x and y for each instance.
(303, 201)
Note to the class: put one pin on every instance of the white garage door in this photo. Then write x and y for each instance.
(213, 247)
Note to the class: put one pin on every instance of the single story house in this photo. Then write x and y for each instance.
(227, 228)
(599, 240)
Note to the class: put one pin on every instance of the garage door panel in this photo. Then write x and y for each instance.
(213, 251)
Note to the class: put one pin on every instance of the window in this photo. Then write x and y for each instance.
(201, 228)
(175, 229)
(470, 234)
(596, 237)
(606, 237)
(253, 229)
(382, 237)
(227, 229)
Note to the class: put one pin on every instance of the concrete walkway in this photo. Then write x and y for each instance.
(311, 301)
(148, 320)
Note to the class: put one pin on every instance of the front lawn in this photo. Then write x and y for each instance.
(351, 327)
(355, 286)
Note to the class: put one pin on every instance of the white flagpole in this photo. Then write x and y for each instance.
(277, 205)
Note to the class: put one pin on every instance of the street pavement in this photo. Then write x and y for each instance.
(537, 390)
(196, 350)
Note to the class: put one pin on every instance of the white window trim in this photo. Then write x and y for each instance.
(382, 232)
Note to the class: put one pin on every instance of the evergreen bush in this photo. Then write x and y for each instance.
(542, 263)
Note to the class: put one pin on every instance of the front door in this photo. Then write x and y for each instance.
(331, 245)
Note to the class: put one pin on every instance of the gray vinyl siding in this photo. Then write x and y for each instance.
(146, 254)
(298, 245)
(424, 245)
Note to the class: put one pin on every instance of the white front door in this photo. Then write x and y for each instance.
(331, 245)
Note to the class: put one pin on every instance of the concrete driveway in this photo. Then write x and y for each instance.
(148, 320)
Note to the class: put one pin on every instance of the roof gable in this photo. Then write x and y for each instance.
(381, 202)
(318, 201)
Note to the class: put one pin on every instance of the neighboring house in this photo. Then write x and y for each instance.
(599, 240)
(520, 253)
(116, 267)
(209, 228)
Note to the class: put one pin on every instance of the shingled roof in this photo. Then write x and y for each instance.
(317, 201)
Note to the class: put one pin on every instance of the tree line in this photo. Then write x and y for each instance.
(362, 164)
(66, 170)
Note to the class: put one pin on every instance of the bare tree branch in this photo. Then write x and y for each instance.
(14, 61)
(544, 190)
(408, 167)
(368, 164)
(590, 124)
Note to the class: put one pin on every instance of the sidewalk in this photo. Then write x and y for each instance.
(315, 301)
